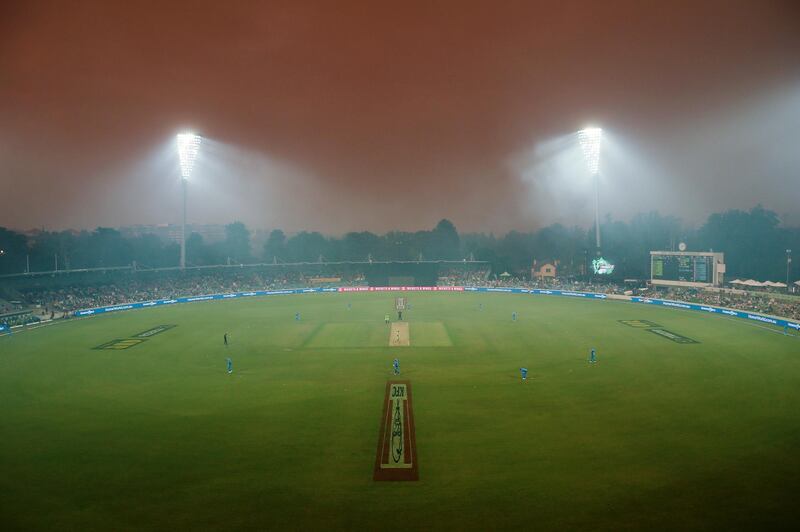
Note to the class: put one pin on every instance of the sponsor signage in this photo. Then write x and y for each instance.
(567, 293)
(154, 331)
(121, 343)
(675, 337)
(639, 324)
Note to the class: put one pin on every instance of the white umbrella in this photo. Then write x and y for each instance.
(752, 282)
(737, 281)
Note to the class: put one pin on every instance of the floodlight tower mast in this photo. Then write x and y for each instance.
(188, 148)
(590, 140)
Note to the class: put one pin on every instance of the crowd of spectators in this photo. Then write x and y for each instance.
(483, 278)
(19, 319)
(759, 302)
(56, 302)
(60, 302)
(452, 277)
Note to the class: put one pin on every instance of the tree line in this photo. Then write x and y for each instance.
(754, 242)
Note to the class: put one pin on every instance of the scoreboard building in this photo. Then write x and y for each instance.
(687, 268)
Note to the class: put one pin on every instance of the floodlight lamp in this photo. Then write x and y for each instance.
(590, 139)
(188, 148)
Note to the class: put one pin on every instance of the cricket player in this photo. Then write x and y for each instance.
(225, 339)
(593, 356)
(786, 329)
(296, 316)
(524, 373)
(386, 318)
(229, 363)
(514, 316)
(399, 315)
(396, 366)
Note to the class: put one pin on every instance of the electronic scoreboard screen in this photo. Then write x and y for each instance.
(683, 268)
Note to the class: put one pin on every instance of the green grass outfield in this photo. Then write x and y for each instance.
(656, 435)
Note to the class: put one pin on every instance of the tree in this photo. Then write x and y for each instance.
(753, 244)
(359, 246)
(306, 247)
(275, 246)
(107, 248)
(444, 243)
(237, 242)
(13, 249)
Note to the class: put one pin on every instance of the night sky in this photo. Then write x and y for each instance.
(337, 116)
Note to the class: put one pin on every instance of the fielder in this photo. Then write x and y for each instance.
(524, 373)
(396, 366)
(229, 364)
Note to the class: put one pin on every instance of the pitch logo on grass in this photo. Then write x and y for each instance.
(121, 343)
(396, 456)
(136, 339)
(675, 337)
(154, 331)
(639, 324)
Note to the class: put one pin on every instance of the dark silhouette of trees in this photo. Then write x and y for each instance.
(754, 243)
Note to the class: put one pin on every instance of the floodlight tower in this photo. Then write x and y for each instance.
(188, 148)
(590, 139)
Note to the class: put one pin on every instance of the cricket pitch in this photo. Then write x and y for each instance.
(399, 335)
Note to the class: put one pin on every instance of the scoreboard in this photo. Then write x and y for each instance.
(683, 268)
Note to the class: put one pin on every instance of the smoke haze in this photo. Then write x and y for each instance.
(353, 115)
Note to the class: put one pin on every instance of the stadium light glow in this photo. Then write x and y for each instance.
(188, 148)
(590, 139)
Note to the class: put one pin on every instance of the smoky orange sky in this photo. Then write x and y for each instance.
(338, 116)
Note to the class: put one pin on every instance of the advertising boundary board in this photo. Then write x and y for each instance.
(752, 316)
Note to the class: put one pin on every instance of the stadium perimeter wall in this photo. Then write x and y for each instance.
(771, 320)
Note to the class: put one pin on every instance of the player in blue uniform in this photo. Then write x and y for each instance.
(593, 357)
(296, 316)
(229, 364)
(514, 316)
(396, 366)
(524, 373)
